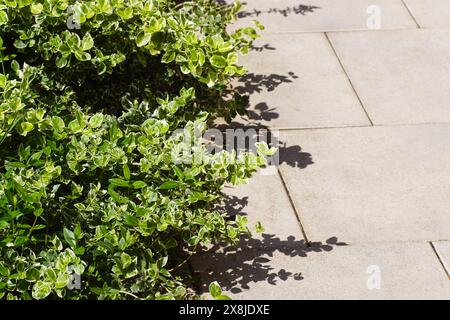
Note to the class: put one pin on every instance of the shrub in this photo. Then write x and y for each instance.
(92, 176)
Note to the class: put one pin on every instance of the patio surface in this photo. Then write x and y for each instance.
(359, 207)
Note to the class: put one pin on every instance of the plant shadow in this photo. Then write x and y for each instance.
(300, 9)
(236, 268)
(257, 117)
(261, 48)
(253, 260)
(252, 82)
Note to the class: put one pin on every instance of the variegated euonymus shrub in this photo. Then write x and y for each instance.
(94, 200)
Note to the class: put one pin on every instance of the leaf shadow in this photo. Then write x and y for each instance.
(253, 261)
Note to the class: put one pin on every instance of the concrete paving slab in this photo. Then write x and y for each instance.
(296, 81)
(430, 13)
(373, 184)
(264, 199)
(326, 15)
(401, 77)
(381, 271)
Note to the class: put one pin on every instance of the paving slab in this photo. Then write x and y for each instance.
(381, 271)
(401, 76)
(443, 251)
(296, 81)
(373, 184)
(325, 15)
(430, 13)
(264, 199)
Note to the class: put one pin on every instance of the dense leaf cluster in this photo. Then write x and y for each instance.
(94, 182)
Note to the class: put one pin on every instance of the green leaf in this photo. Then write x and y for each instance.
(61, 62)
(232, 58)
(3, 224)
(218, 61)
(161, 226)
(4, 271)
(201, 57)
(222, 297)
(58, 123)
(139, 184)
(131, 220)
(169, 185)
(96, 120)
(33, 274)
(77, 231)
(154, 25)
(178, 172)
(172, 23)
(104, 6)
(87, 43)
(259, 228)
(51, 274)
(74, 126)
(116, 196)
(126, 260)
(168, 57)
(79, 250)
(126, 172)
(82, 56)
(62, 281)
(38, 212)
(69, 237)
(2, 81)
(214, 289)
(143, 38)
(126, 13)
(14, 65)
(26, 127)
(119, 182)
(36, 8)
(263, 149)
(19, 44)
(41, 290)
(259, 25)
(24, 3)
(3, 17)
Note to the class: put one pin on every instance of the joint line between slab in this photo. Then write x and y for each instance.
(441, 261)
(348, 78)
(411, 14)
(294, 207)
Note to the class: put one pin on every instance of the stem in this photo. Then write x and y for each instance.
(130, 294)
(11, 127)
(32, 227)
(3, 64)
(185, 260)
(179, 5)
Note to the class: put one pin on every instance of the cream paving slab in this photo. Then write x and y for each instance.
(443, 250)
(430, 13)
(401, 76)
(373, 184)
(296, 81)
(264, 199)
(325, 15)
(376, 271)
